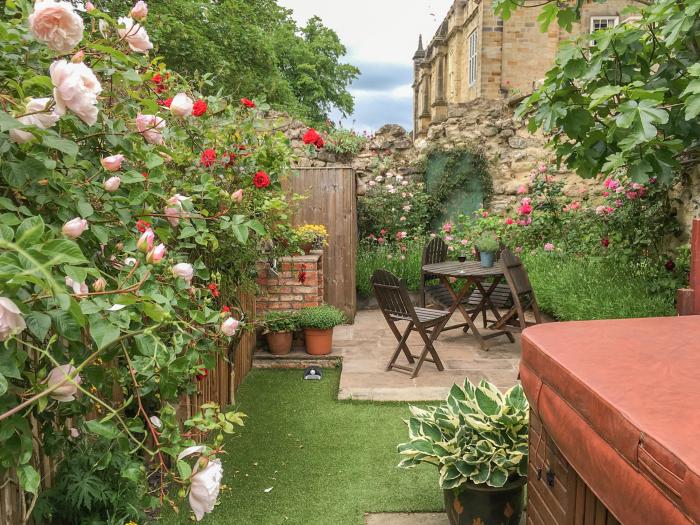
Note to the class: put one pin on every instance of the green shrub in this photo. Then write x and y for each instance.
(402, 260)
(343, 141)
(573, 288)
(321, 317)
(276, 322)
(487, 243)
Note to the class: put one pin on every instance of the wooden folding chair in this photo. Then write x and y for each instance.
(522, 293)
(393, 299)
(434, 252)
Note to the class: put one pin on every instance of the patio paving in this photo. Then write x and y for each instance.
(404, 518)
(367, 345)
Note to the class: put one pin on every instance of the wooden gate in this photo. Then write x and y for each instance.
(331, 201)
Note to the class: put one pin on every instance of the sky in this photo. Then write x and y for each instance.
(381, 37)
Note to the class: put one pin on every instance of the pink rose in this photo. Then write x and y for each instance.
(75, 88)
(79, 289)
(113, 162)
(57, 24)
(134, 34)
(173, 215)
(237, 196)
(150, 126)
(37, 116)
(64, 380)
(145, 242)
(522, 189)
(509, 221)
(99, 285)
(155, 255)
(542, 167)
(229, 327)
(549, 247)
(185, 271)
(447, 227)
(139, 11)
(181, 105)
(112, 184)
(89, 7)
(74, 228)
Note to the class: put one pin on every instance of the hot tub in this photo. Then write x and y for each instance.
(615, 428)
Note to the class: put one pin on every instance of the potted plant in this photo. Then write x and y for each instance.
(478, 440)
(311, 237)
(318, 323)
(488, 246)
(279, 328)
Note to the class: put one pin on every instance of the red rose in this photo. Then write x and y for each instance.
(208, 158)
(157, 78)
(247, 103)
(203, 372)
(605, 242)
(142, 225)
(261, 180)
(214, 289)
(165, 102)
(199, 108)
(312, 137)
(225, 310)
(144, 175)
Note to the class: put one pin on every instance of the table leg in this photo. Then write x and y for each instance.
(486, 300)
(457, 305)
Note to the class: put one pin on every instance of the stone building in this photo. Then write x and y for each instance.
(475, 54)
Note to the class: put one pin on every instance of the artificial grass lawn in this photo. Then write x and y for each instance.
(327, 461)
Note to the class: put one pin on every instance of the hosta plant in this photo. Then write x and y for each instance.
(478, 436)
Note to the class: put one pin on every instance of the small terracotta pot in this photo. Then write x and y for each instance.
(318, 342)
(279, 343)
(307, 247)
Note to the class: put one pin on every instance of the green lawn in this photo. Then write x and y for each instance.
(327, 461)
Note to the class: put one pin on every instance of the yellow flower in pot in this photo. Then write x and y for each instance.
(312, 237)
(318, 323)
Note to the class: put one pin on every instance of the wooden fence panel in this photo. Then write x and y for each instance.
(219, 387)
(331, 201)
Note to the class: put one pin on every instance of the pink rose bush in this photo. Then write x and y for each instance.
(112, 242)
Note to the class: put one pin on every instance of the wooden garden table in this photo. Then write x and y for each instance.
(474, 274)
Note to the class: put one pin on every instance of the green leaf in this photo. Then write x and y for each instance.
(3, 385)
(63, 251)
(498, 477)
(31, 229)
(7, 122)
(692, 107)
(29, 478)
(184, 469)
(603, 94)
(64, 145)
(103, 332)
(39, 324)
(486, 401)
(85, 209)
(105, 429)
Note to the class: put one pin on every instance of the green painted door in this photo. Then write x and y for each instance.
(467, 197)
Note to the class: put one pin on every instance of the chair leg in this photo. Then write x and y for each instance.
(401, 347)
(429, 348)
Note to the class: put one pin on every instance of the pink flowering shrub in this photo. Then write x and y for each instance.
(119, 251)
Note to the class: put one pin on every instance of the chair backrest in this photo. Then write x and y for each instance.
(392, 294)
(515, 272)
(434, 252)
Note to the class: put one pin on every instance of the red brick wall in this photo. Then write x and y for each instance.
(300, 283)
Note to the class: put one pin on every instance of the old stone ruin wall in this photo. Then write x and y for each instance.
(487, 125)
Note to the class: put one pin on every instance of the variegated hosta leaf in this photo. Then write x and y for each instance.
(498, 477)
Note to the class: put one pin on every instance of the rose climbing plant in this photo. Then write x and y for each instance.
(132, 207)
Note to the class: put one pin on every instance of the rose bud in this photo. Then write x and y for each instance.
(112, 184)
(74, 228)
(145, 242)
(99, 285)
(181, 105)
(156, 254)
(185, 271)
(66, 389)
(89, 7)
(78, 57)
(139, 11)
(11, 320)
(43, 182)
(112, 163)
(229, 326)
(237, 196)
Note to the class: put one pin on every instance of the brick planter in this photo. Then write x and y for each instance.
(299, 284)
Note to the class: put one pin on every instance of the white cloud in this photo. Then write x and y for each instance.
(381, 37)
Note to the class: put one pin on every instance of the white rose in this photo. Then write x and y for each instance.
(66, 389)
(206, 484)
(134, 34)
(184, 271)
(57, 24)
(150, 126)
(112, 184)
(229, 327)
(37, 116)
(74, 228)
(11, 320)
(181, 105)
(75, 88)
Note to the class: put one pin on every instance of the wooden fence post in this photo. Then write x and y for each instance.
(688, 302)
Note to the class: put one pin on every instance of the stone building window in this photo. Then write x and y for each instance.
(473, 61)
(603, 22)
(440, 79)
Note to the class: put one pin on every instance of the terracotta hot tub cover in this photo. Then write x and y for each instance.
(621, 400)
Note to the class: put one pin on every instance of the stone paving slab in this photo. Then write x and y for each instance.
(402, 518)
(366, 347)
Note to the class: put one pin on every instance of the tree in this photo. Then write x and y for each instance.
(629, 101)
(253, 46)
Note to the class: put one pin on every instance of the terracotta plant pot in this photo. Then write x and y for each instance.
(279, 343)
(318, 342)
(307, 247)
(486, 505)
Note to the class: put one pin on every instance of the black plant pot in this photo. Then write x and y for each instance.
(485, 505)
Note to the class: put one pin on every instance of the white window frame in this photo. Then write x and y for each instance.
(598, 18)
(473, 40)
